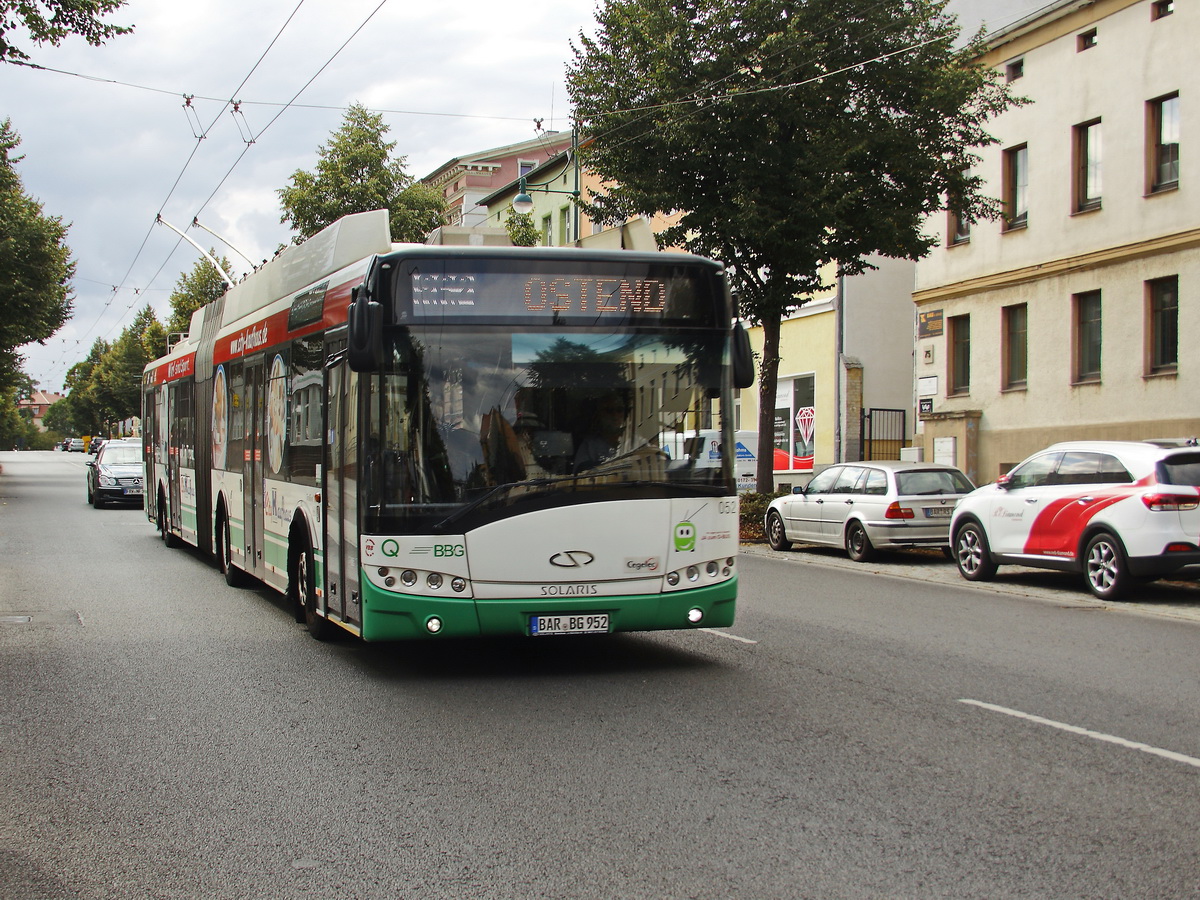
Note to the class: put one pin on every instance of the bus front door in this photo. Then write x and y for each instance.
(341, 598)
(252, 464)
(174, 513)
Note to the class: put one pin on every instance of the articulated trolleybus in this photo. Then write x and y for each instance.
(430, 441)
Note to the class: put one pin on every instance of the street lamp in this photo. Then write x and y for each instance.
(523, 203)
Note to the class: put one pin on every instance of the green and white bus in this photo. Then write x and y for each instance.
(433, 441)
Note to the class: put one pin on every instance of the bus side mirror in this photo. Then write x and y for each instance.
(364, 337)
(743, 358)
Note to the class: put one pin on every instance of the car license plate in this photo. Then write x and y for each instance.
(580, 623)
(938, 512)
(129, 491)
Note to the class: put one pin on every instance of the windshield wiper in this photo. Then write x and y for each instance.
(498, 491)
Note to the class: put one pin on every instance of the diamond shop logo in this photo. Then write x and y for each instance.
(572, 559)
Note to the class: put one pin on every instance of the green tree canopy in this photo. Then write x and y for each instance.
(35, 264)
(357, 173)
(194, 289)
(51, 21)
(794, 134)
(521, 230)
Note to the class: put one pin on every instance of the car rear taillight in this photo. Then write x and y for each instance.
(1170, 502)
(896, 511)
(1180, 548)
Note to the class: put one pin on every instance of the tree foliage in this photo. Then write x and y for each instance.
(51, 21)
(357, 173)
(35, 265)
(195, 289)
(794, 134)
(521, 229)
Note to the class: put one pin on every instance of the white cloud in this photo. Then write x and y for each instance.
(105, 156)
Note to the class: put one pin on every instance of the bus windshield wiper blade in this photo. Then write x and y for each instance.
(486, 499)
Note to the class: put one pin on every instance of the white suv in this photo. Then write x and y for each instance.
(1117, 511)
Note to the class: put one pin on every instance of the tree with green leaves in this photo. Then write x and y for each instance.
(88, 413)
(117, 378)
(193, 290)
(357, 173)
(51, 21)
(794, 135)
(35, 265)
(521, 229)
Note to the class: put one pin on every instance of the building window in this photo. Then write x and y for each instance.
(1164, 143)
(1016, 187)
(957, 228)
(1086, 41)
(564, 225)
(1014, 70)
(960, 354)
(547, 231)
(525, 166)
(1163, 296)
(1087, 166)
(795, 424)
(1161, 8)
(1087, 336)
(1016, 345)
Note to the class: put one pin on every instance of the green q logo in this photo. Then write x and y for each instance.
(390, 548)
(685, 537)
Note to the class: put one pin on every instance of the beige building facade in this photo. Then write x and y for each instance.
(1076, 316)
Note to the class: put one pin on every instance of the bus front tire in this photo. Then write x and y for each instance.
(234, 577)
(164, 526)
(304, 593)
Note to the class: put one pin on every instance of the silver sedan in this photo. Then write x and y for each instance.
(872, 505)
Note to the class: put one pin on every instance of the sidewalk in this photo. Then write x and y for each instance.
(1170, 599)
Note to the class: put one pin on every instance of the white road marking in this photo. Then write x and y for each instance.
(1096, 735)
(726, 634)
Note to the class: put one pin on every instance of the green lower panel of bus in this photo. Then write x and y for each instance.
(391, 616)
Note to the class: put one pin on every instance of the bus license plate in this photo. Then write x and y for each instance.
(583, 623)
(939, 512)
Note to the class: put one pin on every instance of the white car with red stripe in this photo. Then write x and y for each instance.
(1118, 512)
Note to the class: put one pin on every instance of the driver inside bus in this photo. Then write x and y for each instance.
(605, 427)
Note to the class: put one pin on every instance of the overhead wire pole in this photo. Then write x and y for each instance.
(229, 282)
(196, 224)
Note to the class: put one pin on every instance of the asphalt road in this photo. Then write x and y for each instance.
(882, 731)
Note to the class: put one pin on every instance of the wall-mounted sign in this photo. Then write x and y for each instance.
(927, 386)
(929, 323)
(925, 405)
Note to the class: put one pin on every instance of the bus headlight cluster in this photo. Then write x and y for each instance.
(711, 571)
(424, 582)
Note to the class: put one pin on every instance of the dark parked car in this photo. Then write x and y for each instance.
(116, 474)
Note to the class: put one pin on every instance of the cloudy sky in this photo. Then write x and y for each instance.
(109, 143)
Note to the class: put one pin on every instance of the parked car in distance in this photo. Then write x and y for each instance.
(1118, 512)
(869, 506)
(116, 474)
(76, 445)
(94, 445)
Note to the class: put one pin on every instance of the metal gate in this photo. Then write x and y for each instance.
(884, 433)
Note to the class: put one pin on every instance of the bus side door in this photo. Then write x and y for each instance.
(340, 489)
(252, 463)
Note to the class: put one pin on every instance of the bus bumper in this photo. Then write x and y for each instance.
(390, 616)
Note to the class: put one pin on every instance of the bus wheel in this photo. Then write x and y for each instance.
(233, 575)
(305, 591)
(164, 526)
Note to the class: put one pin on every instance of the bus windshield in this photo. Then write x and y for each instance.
(466, 425)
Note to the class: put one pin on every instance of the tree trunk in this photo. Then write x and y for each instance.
(768, 377)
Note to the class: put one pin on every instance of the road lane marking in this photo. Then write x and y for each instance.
(1095, 735)
(726, 634)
